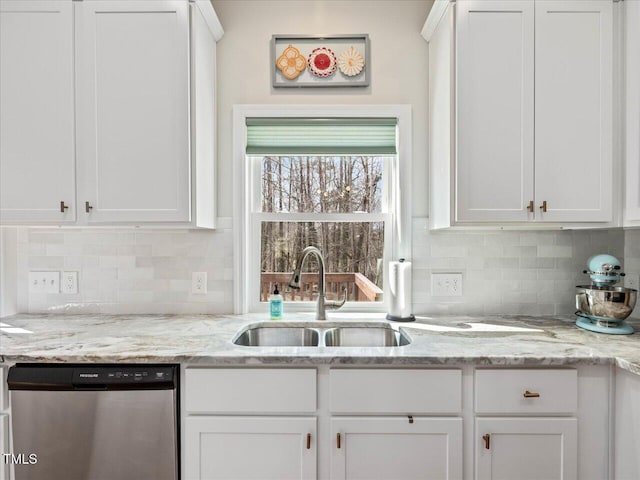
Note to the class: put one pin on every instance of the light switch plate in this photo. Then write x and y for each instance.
(44, 282)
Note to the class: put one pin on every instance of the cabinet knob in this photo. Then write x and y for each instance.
(63, 207)
(487, 441)
(308, 441)
(528, 394)
(87, 207)
(531, 206)
(543, 207)
(338, 438)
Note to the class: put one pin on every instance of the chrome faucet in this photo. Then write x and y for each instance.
(322, 304)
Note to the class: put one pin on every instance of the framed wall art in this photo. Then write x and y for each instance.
(301, 61)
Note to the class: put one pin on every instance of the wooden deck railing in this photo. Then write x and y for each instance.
(359, 288)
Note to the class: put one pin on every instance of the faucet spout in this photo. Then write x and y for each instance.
(322, 303)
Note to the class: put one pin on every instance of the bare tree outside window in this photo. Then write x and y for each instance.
(353, 249)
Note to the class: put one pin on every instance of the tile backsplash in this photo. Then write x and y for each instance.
(149, 271)
(507, 272)
(128, 271)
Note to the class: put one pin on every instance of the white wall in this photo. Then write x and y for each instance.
(399, 65)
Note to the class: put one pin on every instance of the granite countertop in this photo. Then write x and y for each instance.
(206, 340)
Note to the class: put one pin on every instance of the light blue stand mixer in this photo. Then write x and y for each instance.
(603, 307)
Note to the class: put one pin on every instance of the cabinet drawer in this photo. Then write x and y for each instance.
(526, 391)
(395, 391)
(250, 390)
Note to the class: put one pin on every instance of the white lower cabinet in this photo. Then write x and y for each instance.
(528, 445)
(4, 446)
(400, 448)
(408, 423)
(627, 426)
(526, 448)
(259, 448)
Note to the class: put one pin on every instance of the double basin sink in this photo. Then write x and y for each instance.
(321, 335)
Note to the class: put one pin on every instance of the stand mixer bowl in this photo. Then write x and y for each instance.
(609, 304)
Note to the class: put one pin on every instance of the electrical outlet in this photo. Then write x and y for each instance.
(446, 284)
(69, 282)
(44, 282)
(199, 283)
(632, 281)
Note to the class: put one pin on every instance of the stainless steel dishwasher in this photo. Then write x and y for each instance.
(95, 422)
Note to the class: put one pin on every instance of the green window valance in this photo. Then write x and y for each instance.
(321, 136)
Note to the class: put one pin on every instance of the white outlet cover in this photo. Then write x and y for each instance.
(199, 283)
(69, 283)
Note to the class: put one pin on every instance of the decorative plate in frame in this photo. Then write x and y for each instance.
(353, 49)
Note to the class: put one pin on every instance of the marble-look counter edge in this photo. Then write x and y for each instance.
(206, 340)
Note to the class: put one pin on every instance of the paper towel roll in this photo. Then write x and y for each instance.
(400, 292)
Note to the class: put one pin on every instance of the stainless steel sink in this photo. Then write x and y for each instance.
(319, 334)
(375, 336)
(277, 336)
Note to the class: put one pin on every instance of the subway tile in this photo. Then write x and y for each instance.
(45, 263)
(555, 251)
(448, 251)
(43, 236)
(537, 238)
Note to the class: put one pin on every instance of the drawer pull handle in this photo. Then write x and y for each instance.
(87, 207)
(308, 441)
(338, 440)
(410, 418)
(528, 394)
(530, 208)
(63, 207)
(487, 441)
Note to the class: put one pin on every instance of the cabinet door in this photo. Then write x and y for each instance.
(495, 72)
(632, 106)
(574, 76)
(133, 110)
(526, 449)
(259, 448)
(627, 426)
(37, 150)
(4, 446)
(391, 447)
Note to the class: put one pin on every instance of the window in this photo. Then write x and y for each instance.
(328, 181)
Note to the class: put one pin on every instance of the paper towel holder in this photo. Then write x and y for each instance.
(397, 318)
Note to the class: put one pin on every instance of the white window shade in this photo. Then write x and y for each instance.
(321, 136)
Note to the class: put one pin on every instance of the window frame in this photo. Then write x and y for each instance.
(247, 219)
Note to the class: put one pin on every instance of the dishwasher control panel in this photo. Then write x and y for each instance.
(92, 377)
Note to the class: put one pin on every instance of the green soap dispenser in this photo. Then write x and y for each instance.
(275, 304)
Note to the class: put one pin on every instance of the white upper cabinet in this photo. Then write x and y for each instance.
(528, 129)
(104, 109)
(573, 117)
(632, 114)
(133, 109)
(37, 149)
(495, 110)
